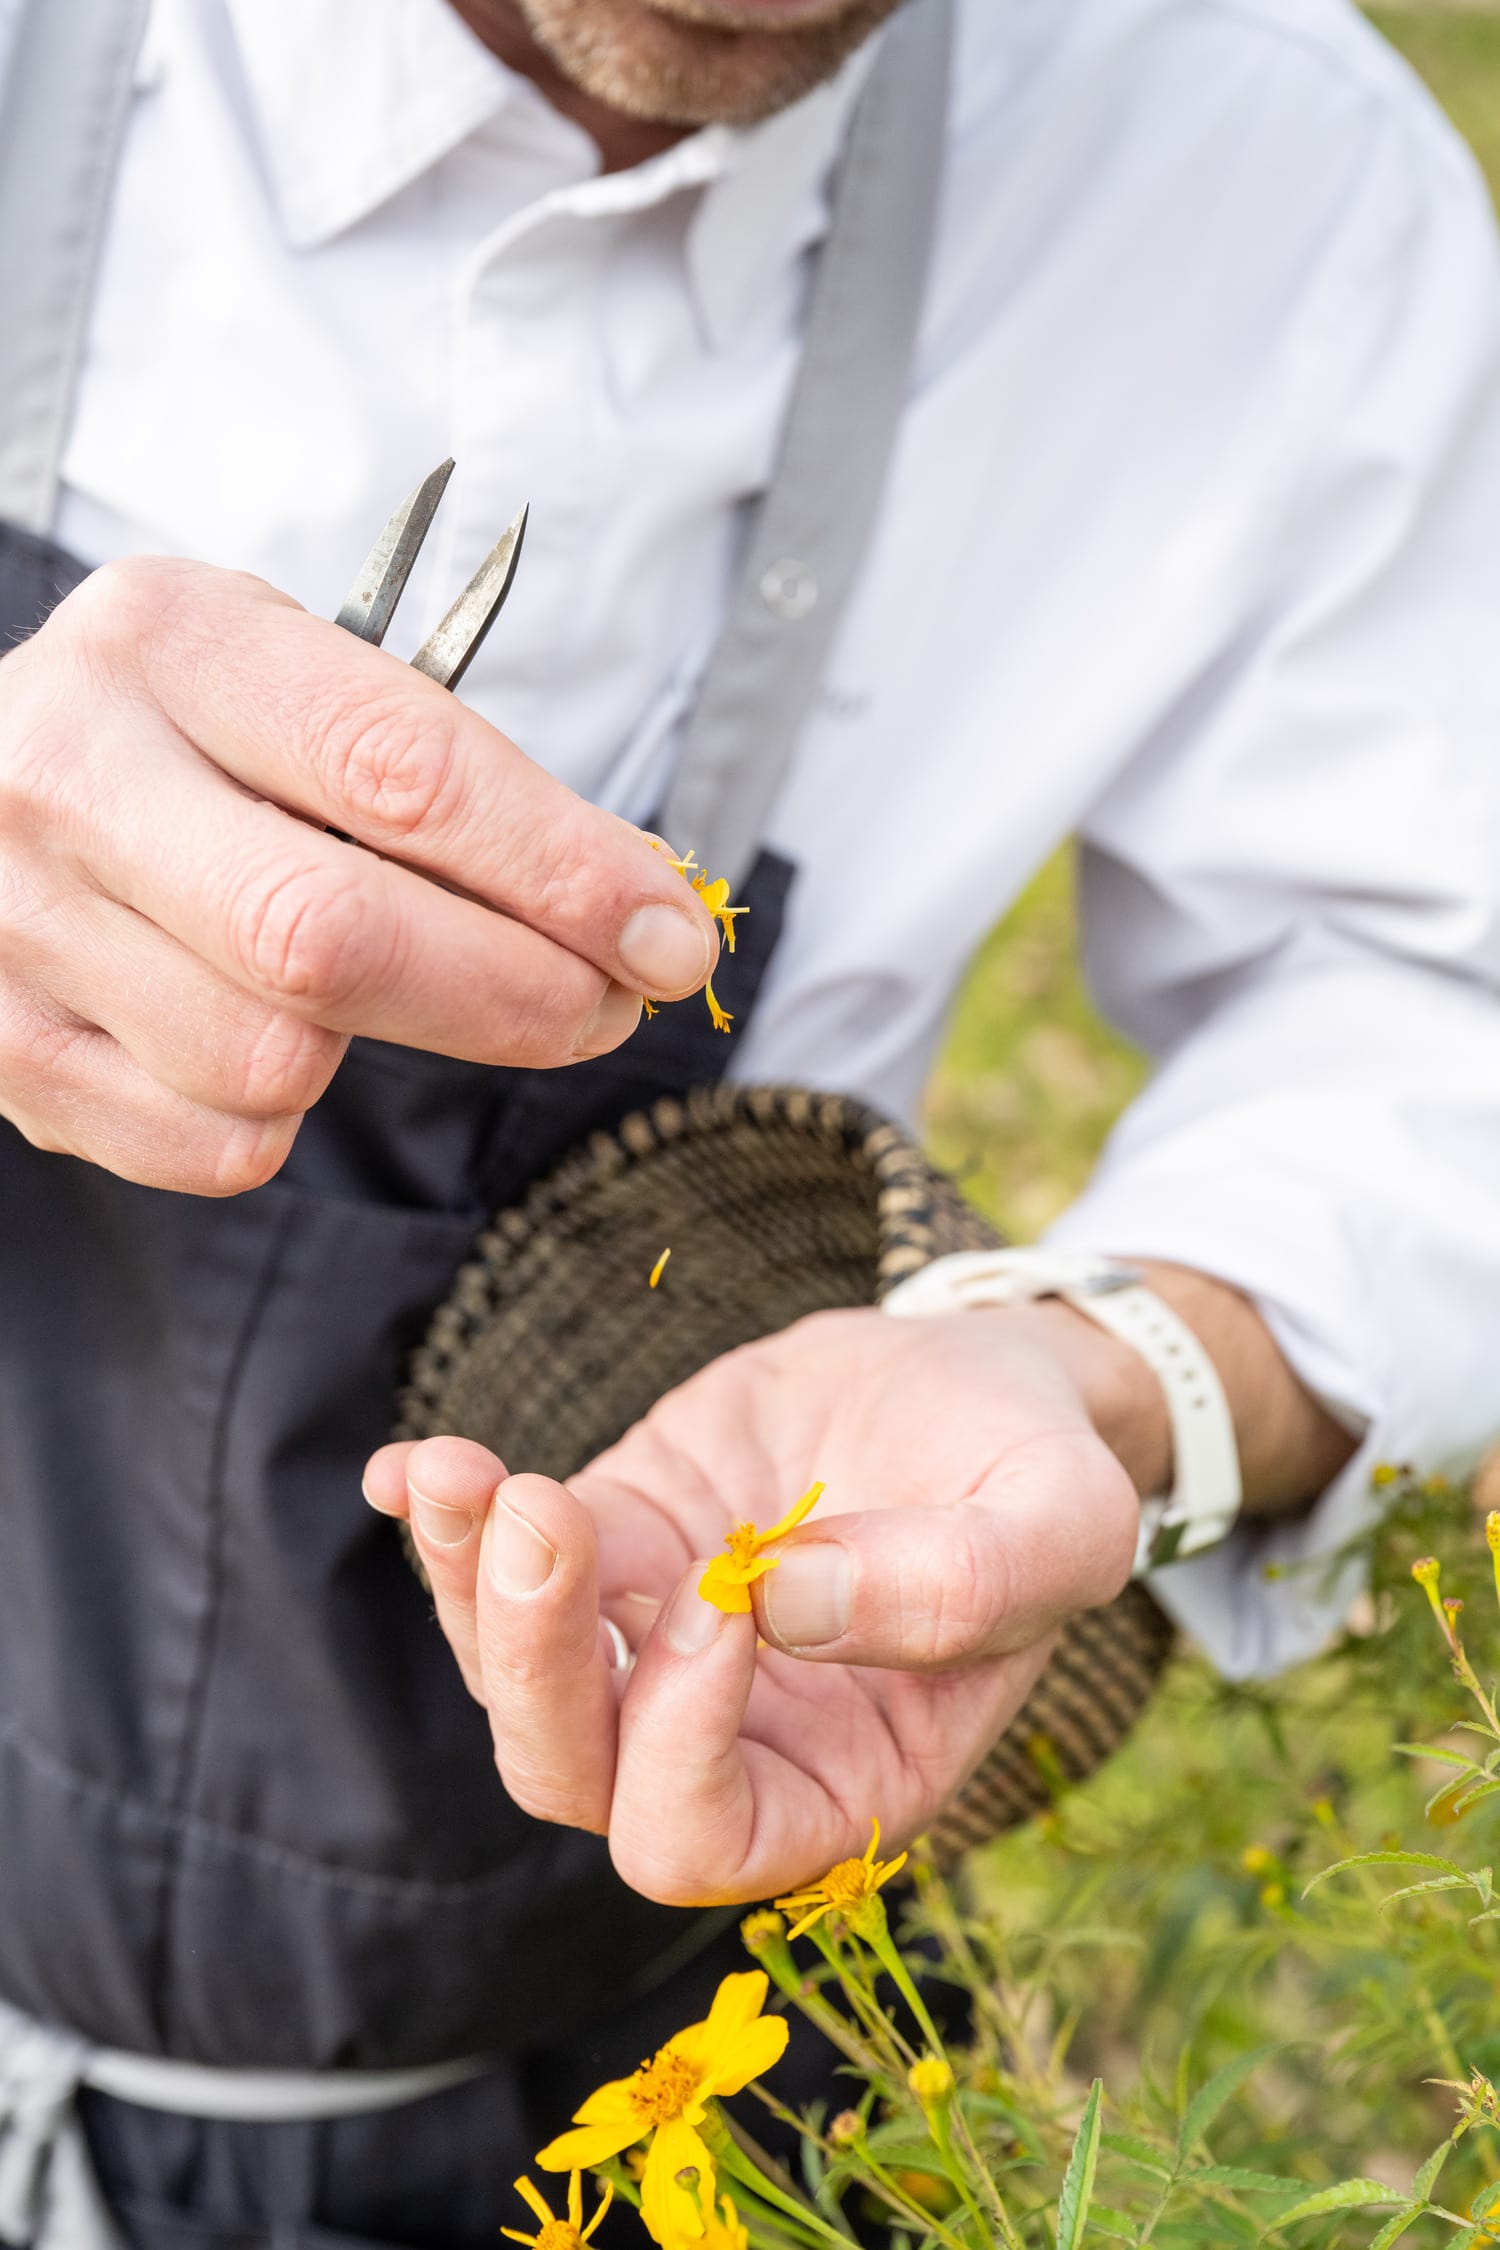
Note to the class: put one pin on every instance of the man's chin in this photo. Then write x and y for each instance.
(702, 62)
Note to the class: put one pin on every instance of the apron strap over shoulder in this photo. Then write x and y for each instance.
(62, 113)
(808, 536)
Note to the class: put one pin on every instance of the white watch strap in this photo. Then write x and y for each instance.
(1205, 1497)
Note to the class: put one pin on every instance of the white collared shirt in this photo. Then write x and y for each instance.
(1191, 545)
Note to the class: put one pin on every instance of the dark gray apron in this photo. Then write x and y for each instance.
(248, 1813)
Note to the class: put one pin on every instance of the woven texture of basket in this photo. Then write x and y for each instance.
(549, 1346)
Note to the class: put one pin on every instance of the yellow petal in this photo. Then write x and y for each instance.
(874, 1844)
(888, 1868)
(726, 1594)
(531, 2238)
(575, 2201)
(737, 2002)
(800, 1929)
(614, 2102)
(670, 2210)
(794, 1516)
(605, 2200)
(660, 1267)
(752, 2054)
(588, 2145)
(535, 2202)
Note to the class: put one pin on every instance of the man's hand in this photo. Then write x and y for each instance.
(185, 951)
(971, 1505)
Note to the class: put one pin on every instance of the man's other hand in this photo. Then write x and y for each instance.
(970, 1507)
(186, 943)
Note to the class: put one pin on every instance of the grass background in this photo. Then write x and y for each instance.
(1133, 1911)
(1031, 1080)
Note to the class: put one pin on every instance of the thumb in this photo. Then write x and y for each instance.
(927, 1588)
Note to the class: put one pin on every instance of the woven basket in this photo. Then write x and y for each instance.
(548, 1348)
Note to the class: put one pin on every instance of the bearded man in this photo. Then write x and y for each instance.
(946, 427)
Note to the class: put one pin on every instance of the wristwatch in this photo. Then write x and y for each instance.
(1204, 1501)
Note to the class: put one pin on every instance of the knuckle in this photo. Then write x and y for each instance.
(241, 1154)
(395, 764)
(304, 935)
(283, 1067)
(954, 1597)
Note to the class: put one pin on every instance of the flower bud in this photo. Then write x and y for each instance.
(931, 2081)
(846, 2129)
(762, 1929)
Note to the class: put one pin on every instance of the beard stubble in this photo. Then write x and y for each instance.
(692, 62)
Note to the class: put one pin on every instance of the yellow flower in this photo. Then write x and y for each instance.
(559, 2234)
(718, 2233)
(715, 896)
(931, 2080)
(660, 1267)
(669, 2097)
(844, 1889)
(728, 1579)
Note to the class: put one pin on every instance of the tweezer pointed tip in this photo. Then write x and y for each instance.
(371, 604)
(448, 652)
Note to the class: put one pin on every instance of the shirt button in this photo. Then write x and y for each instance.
(789, 589)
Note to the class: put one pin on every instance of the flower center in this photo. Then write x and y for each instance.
(742, 1542)
(661, 2090)
(557, 2235)
(846, 1884)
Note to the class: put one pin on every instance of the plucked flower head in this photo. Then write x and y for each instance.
(728, 1579)
(669, 2098)
(931, 2080)
(848, 1889)
(553, 2233)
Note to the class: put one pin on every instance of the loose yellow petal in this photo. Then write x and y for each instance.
(721, 1017)
(605, 2200)
(660, 1266)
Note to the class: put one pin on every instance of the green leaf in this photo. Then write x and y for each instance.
(1078, 2183)
(1246, 2183)
(1383, 1859)
(1435, 1883)
(1394, 2228)
(1439, 1757)
(1210, 2098)
(1422, 2186)
(1486, 2202)
(1139, 2152)
(1347, 2195)
(1117, 2225)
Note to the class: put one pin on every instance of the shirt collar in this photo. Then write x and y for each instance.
(352, 105)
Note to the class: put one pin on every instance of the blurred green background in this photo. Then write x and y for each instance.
(1031, 1080)
(1155, 1920)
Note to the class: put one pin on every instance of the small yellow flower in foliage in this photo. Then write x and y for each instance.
(1256, 1860)
(762, 1929)
(848, 1889)
(668, 2098)
(728, 1579)
(559, 2234)
(931, 2080)
(847, 2128)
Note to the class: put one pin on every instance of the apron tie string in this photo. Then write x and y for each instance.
(49, 2197)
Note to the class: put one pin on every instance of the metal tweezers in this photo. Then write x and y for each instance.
(450, 649)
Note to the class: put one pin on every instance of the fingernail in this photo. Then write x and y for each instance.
(809, 1594)
(691, 1622)
(520, 1560)
(616, 1647)
(614, 1019)
(666, 949)
(444, 1527)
